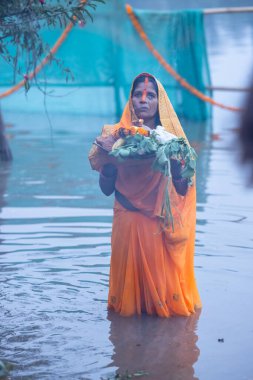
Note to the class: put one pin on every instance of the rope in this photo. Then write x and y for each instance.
(48, 57)
(193, 90)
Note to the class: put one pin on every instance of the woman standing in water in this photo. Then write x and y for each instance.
(151, 267)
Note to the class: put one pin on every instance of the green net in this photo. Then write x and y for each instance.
(107, 54)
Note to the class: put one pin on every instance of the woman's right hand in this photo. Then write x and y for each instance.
(106, 142)
(107, 179)
(109, 170)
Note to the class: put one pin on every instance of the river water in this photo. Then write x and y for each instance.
(55, 231)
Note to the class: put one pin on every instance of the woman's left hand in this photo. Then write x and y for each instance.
(175, 168)
(180, 183)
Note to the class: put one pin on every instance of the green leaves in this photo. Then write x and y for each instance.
(20, 25)
(139, 146)
(177, 149)
(135, 146)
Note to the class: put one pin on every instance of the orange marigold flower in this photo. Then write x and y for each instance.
(133, 130)
(143, 131)
(115, 133)
(127, 131)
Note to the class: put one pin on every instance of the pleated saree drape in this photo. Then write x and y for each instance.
(152, 269)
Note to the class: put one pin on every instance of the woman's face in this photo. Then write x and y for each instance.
(145, 101)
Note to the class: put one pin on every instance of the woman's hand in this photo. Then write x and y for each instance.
(107, 179)
(180, 183)
(106, 142)
(109, 170)
(175, 168)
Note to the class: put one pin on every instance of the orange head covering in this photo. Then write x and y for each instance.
(167, 115)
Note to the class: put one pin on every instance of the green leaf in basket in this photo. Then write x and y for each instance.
(187, 172)
(124, 152)
(192, 164)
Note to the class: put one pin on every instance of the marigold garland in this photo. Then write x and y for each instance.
(169, 69)
(130, 131)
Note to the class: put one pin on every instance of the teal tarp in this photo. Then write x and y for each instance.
(106, 55)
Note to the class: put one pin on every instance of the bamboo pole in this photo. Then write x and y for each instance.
(235, 89)
(212, 11)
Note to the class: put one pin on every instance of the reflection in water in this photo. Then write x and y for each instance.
(165, 348)
(199, 137)
(56, 244)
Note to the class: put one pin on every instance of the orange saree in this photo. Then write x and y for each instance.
(152, 268)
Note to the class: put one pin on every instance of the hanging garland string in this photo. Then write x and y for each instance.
(193, 90)
(149, 45)
(43, 63)
(48, 57)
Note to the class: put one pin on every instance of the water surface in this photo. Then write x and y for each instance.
(55, 230)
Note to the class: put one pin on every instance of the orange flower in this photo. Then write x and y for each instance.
(143, 132)
(127, 131)
(134, 130)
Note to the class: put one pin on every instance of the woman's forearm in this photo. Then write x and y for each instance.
(107, 179)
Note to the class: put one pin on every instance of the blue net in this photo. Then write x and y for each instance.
(107, 54)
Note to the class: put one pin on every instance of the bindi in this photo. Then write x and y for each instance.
(144, 93)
